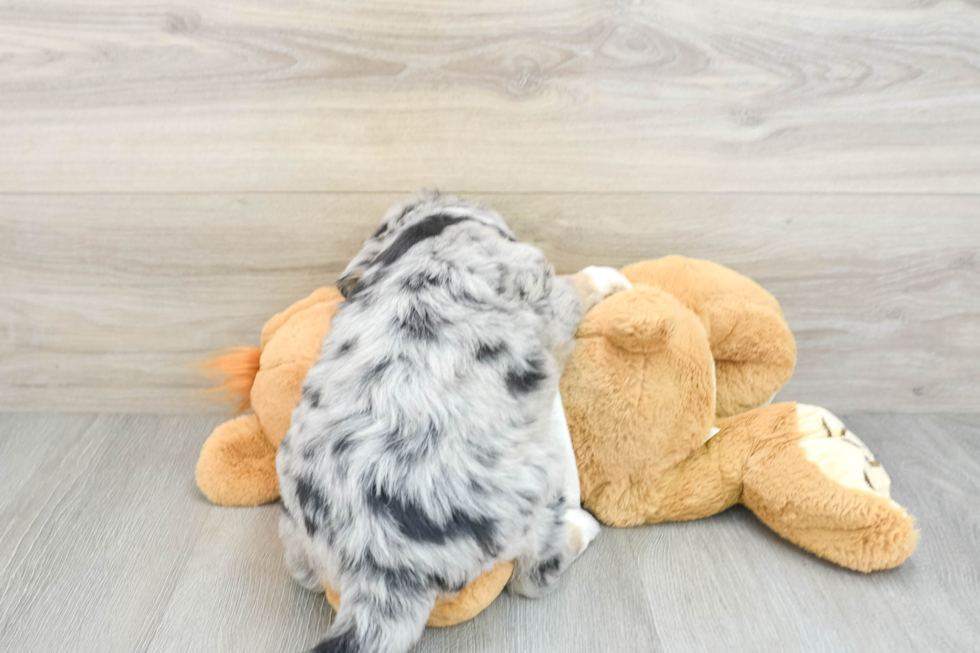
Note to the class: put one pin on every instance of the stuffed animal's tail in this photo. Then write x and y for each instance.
(385, 615)
(237, 368)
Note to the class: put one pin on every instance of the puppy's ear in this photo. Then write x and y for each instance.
(348, 283)
(528, 277)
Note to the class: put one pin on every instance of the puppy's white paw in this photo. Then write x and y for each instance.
(582, 529)
(607, 281)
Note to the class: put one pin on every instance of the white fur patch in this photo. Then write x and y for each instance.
(582, 527)
(558, 429)
(607, 280)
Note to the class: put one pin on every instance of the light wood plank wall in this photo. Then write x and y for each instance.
(171, 174)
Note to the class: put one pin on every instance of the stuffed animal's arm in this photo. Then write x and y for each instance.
(820, 487)
(754, 352)
(807, 477)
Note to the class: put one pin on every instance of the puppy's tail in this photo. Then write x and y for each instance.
(386, 615)
(236, 367)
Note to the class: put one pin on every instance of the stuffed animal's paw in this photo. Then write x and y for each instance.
(820, 487)
(237, 466)
(839, 454)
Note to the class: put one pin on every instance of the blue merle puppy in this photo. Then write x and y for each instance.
(420, 454)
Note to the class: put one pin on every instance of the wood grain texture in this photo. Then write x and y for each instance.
(106, 545)
(172, 175)
(101, 531)
(594, 95)
(107, 300)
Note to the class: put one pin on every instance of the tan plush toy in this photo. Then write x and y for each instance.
(652, 369)
(655, 366)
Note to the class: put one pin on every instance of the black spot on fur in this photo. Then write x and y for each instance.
(431, 437)
(549, 566)
(397, 579)
(478, 488)
(439, 582)
(343, 433)
(311, 450)
(310, 525)
(342, 444)
(411, 448)
(443, 585)
(558, 505)
(420, 323)
(375, 372)
(557, 509)
(312, 395)
(313, 504)
(346, 346)
(487, 458)
(411, 236)
(471, 300)
(522, 382)
(342, 642)
(402, 579)
(415, 524)
(501, 278)
(506, 236)
(487, 352)
(346, 561)
(381, 230)
(422, 280)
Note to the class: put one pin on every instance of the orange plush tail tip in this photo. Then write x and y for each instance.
(237, 368)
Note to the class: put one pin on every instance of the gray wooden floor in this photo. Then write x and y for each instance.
(106, 545)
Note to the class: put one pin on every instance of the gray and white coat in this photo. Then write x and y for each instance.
(419, 456)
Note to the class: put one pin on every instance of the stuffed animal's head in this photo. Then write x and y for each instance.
(654, 366)
(639, 389)
(290, 346)
(753, 348)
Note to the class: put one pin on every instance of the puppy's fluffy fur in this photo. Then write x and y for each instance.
(419, 456)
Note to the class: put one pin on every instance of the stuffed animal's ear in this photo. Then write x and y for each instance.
(640, 334)
(643, 319)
